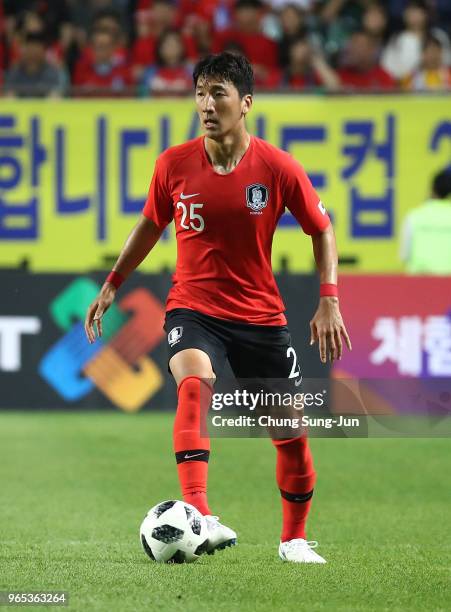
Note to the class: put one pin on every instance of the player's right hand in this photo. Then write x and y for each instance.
(96, 311)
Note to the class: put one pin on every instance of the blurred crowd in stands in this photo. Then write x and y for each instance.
(148, 47)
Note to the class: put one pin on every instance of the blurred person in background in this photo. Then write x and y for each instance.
(200, 32)
(440, 11)
(434, 74)
(107, 20)
(338, 19)
(359, 67)
(103, 73)
(247, 32)
(308, 69)
(293, 27)
(402, 55)
(268, 79)
(87, 15)
(56, 28)
(110, 20)
(426, 231)
(290, 18)
(33, 76)
(151, 24)
(171, 73)
(375, 24)
(54, 13)
(217, 13)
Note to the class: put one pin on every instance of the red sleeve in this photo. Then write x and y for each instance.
(158, 206)
(301, 199)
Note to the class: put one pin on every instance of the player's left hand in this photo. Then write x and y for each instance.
(328, 328)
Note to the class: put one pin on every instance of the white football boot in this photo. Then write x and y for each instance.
(300, 551)
(219, 536)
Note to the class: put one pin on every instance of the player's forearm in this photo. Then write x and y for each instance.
(326, 258)
(138, 245)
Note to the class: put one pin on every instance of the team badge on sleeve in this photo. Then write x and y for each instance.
(256, 196)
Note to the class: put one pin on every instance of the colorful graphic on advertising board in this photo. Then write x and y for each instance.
(117, 363)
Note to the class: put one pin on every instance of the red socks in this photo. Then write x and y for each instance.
(191, 450)
(294, 468)
(296, 478)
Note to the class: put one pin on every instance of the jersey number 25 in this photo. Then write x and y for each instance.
(196, 221)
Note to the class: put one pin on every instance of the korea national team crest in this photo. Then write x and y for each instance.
(256, 196)
(175, 335)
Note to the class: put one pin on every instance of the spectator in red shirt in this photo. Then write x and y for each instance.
(103, 74)
(268, 79)
(247, 33)
(360, 68)
(152, 24)
(171, 73)
(307, 68)
(105, 20)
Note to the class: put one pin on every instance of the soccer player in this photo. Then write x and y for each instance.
(225, 192)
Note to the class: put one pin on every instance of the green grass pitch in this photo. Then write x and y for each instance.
(75, 487)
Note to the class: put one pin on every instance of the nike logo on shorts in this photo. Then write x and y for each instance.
(184, 196)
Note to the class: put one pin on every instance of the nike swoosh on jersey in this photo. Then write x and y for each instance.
(188, 195)
(191, 456)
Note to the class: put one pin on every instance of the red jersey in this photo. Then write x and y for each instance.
(375, 78)
(225, 225)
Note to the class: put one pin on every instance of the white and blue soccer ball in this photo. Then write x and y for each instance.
(174, 532)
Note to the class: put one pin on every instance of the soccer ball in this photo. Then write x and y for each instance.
(174, 532)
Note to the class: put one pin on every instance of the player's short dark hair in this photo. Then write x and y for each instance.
(441, 184)
(231, 67)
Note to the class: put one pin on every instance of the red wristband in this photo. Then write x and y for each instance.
(328, 289)
(115, 279)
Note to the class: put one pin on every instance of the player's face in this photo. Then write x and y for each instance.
(220, 107)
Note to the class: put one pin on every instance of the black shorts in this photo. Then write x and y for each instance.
(253, 351)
